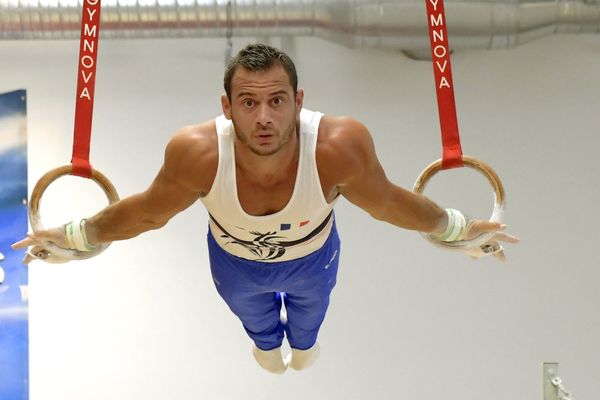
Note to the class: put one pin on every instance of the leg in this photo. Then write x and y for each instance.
(259, 314)
(258, 309)
(307, 301)
(306, 312)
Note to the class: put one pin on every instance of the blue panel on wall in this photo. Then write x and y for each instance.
(14, 337)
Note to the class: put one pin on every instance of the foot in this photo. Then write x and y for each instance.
(302, 359)
(271, 360)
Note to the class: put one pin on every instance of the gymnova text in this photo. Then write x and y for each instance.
(89, 32)
(439, 48)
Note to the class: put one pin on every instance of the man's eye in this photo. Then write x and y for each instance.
(248, 103)
(277, 101)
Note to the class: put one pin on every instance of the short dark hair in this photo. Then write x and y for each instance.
(260, 57)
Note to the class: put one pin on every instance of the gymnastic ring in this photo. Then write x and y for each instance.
(499, 198)
(36, 221)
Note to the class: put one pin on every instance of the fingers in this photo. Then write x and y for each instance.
(477, 227)
(37, 242)
(29, 258)
(53, 235)
(35, 253)
(32, 239)
(492, 248)
(40, 253)
(505, 237)
(500, 255)
(28, 241)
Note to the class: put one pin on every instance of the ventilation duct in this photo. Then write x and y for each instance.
(400, 25)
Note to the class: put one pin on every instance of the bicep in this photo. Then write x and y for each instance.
(369, 189)
(166, 197)
(180, 181)
(362, 178)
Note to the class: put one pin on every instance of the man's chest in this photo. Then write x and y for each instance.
(257, 199)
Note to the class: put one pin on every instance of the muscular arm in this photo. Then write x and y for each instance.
(187, 173)
(348, 152)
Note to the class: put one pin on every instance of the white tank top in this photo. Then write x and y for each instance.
(299, 229)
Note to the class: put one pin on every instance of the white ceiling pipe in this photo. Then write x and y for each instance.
(400, 25)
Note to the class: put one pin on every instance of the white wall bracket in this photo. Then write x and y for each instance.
(550, 371)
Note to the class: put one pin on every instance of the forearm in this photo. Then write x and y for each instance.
(121, 220)
(413, 211)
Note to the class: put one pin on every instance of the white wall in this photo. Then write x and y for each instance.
(143, 321)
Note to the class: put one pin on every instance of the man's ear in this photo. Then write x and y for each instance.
(299, 99)
(226, 105)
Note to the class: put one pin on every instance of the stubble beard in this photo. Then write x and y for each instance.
(283, 140)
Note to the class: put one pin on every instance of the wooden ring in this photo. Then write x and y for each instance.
(499, 199)
(36, 220)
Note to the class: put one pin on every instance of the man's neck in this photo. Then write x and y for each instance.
(268, 170)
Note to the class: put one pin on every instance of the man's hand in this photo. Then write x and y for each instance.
(492, 246)
(38, 242)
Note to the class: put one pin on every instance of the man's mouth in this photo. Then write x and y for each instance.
(264, 135)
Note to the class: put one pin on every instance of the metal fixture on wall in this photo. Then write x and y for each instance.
(229, 33)
(399, 25)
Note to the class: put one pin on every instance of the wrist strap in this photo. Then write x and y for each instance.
(457, 224)
(76, 237)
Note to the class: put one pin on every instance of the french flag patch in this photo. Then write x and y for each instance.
(287, 227)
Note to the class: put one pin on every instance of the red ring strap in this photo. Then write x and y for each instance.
(86, 80)
(444, 86)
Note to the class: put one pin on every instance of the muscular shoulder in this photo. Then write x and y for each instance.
(344, 149)
(192, 156)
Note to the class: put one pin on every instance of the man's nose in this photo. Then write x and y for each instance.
(264, 117)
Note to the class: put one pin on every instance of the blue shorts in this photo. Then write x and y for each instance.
(254, 290)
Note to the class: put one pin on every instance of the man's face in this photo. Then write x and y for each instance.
(263, 109)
